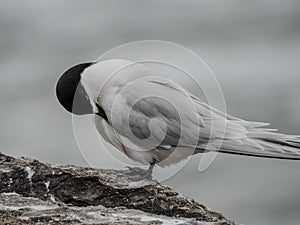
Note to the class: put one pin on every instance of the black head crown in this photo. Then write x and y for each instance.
(70, 92)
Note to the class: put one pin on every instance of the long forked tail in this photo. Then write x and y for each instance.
(248, 138)
(262, 142)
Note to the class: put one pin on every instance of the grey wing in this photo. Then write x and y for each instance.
(162, 112)
(173, 117)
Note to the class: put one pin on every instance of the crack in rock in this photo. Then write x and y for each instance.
(80, 189)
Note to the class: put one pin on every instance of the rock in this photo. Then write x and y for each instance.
(37, 193)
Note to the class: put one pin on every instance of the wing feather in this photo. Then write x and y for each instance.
(186, 121)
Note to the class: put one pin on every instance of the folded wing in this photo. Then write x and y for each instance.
(156, 112)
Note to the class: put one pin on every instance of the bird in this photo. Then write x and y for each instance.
(155, 121)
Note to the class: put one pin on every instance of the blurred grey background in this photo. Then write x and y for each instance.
(253, 47)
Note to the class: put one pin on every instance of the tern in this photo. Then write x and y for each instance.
(155, 121)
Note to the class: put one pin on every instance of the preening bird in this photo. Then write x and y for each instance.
(153, 120)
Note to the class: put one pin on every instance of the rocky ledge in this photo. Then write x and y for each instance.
(32, 192)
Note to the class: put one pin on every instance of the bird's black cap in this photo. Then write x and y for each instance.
(70, 92)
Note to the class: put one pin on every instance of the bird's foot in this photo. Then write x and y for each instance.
(138, 174)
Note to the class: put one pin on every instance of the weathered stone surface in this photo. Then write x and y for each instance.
(37, 193)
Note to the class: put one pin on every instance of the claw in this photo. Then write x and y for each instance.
(145, 176)
(140, 174)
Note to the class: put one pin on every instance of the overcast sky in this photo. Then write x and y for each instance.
(253, 48)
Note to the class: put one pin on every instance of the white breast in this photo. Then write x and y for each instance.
(110, 136)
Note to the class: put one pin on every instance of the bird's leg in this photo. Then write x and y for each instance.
(144, 174)
(149, 171)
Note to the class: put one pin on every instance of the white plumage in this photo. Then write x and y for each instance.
(154, 120)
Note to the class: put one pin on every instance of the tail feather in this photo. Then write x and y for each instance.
(265, 143)
(244, 137)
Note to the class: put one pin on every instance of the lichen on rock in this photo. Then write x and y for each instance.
(39, 193)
